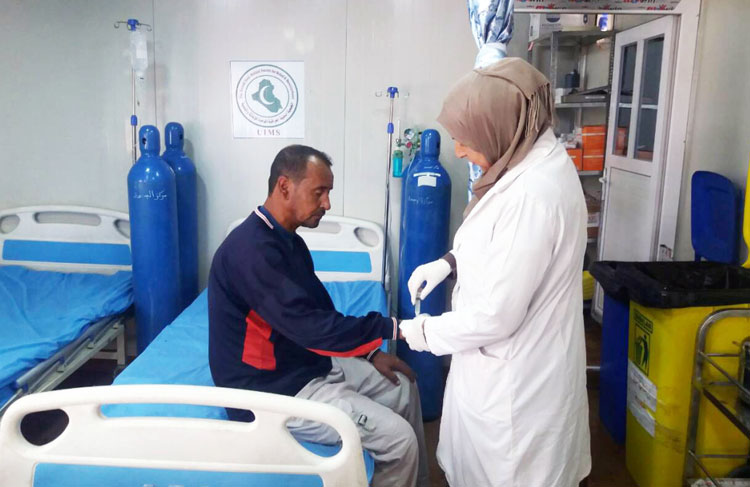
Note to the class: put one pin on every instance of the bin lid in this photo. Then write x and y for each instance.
(685, 284)
(714, 217)
(605, 273)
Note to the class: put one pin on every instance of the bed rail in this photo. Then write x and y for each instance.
(186, 444)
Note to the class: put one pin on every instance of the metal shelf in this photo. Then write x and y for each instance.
(587, 104)
(592, 240)
(590, 173)
(724, 396)
(721, 481)
(573, 38)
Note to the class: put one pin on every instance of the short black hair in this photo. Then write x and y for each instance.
(291, 161)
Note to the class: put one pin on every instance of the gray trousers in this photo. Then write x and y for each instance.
(388, 417)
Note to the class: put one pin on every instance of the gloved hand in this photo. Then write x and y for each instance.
(431, 274)
(413, 332)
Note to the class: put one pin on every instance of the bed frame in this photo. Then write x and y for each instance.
(185, 444)
(343, 249)
(68, 239)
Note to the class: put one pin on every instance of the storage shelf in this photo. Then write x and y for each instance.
(592, 240)
(590, 173)
(587, 104)
(573, 38)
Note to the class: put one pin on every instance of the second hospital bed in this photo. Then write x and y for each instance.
(65, 285)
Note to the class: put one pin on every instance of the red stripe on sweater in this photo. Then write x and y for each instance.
(360, 350)
(258, 349)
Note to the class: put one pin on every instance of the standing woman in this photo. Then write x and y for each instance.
(515, 412)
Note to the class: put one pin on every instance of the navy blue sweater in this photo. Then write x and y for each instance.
(272, 324)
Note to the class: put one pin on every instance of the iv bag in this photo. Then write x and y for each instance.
(138, 52)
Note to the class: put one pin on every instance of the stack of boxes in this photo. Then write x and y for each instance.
(593, 205)
(576, 155)
(587, 152)
(594, 142)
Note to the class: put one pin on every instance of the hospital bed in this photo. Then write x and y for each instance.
(348, 257)
(65, 286)
(95, 450)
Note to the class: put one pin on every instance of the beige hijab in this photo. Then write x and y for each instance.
(499, 111)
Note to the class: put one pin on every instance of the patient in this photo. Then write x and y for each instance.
(273, 327)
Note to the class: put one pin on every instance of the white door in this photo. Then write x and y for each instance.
(636, 143)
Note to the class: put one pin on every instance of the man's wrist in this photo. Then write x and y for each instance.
(370, 356)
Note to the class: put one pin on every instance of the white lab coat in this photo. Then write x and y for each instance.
(516, 412)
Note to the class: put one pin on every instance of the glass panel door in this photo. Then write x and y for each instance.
(625, 100)
(649, 99)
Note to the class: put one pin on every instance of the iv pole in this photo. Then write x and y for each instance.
(132, 25)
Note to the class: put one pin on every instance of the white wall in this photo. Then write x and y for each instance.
(194, 43)
(351, 50)
(65, 94)
(65, 100)
(718, 138)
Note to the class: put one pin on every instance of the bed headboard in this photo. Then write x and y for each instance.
(65, 238)
(343, 249)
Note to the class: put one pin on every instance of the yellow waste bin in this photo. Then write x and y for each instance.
(661, 352)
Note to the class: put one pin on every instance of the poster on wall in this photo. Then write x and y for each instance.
(599, 4)
(268, 99)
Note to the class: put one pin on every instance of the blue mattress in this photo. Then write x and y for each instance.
(42, 311)
(179, 355)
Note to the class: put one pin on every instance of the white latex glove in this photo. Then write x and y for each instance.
(431, 274)
(413, 332)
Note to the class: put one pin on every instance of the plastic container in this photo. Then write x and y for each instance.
(668, 303)
(613, 374)
(138, 52)
(589, 285)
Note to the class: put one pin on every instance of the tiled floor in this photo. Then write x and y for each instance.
(608, 458)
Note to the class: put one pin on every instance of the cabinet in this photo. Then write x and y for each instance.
(591, 53)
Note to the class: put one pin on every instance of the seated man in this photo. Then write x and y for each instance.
(273, 327)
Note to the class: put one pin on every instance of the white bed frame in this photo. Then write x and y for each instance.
(68, 224)
(343, 234)
(192, 444)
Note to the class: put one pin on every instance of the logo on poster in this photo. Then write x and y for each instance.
(267, 96)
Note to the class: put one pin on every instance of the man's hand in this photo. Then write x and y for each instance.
(388, 365)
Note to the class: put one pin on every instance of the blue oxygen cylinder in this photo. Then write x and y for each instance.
(187, 209)
(425, 218)
(405, 176)
(152, 200)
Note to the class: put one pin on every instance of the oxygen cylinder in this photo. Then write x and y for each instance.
(187, 209)
(152, 200)
(405, 176)
(425, 217)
